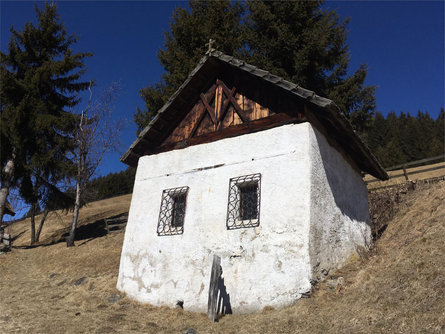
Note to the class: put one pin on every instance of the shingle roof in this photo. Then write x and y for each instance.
(352, 142)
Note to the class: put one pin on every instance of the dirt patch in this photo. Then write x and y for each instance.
(399, 287)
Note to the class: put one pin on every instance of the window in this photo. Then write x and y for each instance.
(172, 212)
(244, 202)
(248, 201)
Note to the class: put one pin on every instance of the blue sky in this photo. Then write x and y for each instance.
(402, 42)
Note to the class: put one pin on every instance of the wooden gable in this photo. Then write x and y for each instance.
(219, 108)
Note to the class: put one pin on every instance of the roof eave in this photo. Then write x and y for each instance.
(377, 170)
(125, 157)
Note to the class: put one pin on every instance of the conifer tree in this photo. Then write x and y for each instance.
(293, 39)
(307, 45)
(39, 85)
(437, 146)
(185, 44)
(404, 138)
(377, 132)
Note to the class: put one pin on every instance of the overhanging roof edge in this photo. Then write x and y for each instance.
(294, 89)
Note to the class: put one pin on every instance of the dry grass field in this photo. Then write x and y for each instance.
(399, 287)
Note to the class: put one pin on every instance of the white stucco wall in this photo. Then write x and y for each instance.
(267, 265)
(314, 214)
(339, 208)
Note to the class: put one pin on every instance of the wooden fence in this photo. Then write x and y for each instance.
(116, 223)
(413, 171)
(438, 158)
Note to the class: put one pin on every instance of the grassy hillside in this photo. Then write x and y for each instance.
(59, 222)
(398, 287)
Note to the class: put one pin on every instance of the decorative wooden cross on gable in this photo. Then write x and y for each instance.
(209, 44)
(223, 97)
(218, 108)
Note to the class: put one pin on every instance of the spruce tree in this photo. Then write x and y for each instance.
(293, 39)
(307, 45)
(404, 138)
(437, 146)
(39, 85)
(185, 44)
(377, 133)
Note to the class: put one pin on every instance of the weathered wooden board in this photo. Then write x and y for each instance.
(187, 126)
(218, 108)
(213, 288)
(206, 126)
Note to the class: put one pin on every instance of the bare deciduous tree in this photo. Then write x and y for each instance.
(95, 135)
(6, 182)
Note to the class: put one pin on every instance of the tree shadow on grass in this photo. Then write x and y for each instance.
(97, 229)
(85, 233)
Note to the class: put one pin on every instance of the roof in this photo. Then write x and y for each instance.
(322, 111)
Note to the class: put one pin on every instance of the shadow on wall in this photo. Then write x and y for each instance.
(339, 213)
(224, 306)
(344, 190)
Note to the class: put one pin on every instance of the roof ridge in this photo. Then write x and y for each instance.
(270, 77)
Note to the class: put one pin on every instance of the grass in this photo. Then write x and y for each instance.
(414, 174)
(398, 287)
(58, 222)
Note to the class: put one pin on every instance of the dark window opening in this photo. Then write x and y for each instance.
(249, 201)
(178, 210)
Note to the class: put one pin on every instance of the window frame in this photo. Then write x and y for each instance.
(167, 224)
(235, 206)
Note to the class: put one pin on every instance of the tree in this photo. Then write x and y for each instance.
(377, 133)
(185, 45)
(404, 138)
(52, 198)
(111, 185)
(437, 146)
(95, 135)
(39, 84)
(293, 39)
(307, 45)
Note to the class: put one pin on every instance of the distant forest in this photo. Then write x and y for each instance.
(113, 184)
(394, 140)
(399, 139)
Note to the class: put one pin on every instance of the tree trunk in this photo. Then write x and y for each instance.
(33, 223)
(6, 184)
(70, 238)
(45, 214)
(83, 153)
(4, 192)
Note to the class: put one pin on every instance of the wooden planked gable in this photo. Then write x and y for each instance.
(219, 108)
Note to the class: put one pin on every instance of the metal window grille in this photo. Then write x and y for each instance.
(243, 208)
(172, 212)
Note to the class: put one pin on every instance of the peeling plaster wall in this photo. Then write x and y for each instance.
(267, 265)
(339, 208)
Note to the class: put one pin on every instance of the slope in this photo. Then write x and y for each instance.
(398, 287)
